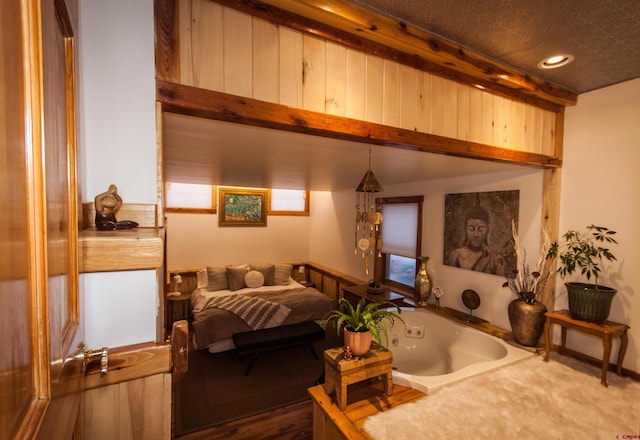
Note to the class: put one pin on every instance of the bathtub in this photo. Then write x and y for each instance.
(433, 351)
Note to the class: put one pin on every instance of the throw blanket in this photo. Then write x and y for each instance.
(256, 312)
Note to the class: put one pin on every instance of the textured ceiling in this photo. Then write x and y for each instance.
(603, 35)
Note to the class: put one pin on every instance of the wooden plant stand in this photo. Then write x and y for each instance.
(604, 330)
(339, 372)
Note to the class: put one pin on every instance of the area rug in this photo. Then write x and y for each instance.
(215, 389)
(562, 399)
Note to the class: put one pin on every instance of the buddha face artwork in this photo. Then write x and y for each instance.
(478, 231)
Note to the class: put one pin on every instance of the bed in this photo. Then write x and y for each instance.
(236, 299)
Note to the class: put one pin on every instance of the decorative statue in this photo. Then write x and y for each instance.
(107, 206)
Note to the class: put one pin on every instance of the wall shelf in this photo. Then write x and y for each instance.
(126, 249)
(134, 249)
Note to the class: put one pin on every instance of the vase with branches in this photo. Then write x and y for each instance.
(526, 312)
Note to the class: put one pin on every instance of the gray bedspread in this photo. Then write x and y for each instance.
(214, 324)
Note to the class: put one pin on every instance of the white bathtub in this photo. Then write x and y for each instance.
(433, 351)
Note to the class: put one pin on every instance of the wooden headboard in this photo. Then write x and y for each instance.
(190, 281)
(326, 280)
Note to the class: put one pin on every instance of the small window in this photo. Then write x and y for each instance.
(288, 202)
(190, 197)
(401, 232)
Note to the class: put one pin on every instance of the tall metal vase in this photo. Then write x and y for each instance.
(423, 283)
(527, 321)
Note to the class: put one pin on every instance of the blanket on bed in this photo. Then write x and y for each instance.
(211, 325)
(256, 312)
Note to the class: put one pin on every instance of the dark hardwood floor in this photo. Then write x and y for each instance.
(294, 422)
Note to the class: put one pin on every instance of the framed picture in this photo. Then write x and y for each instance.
(242, 207)
(477, 231)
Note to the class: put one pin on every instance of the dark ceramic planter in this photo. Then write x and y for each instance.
(588, 302)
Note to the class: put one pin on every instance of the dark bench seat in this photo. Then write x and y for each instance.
(255, 342)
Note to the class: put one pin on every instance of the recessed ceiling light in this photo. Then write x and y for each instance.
(555, 61)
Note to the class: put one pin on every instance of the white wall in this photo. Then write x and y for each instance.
(601, 185)
(196, 240)
(117, 144)
(332, 241)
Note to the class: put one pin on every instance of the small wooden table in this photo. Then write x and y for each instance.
(178, 308)
(339, 373)
(604, 330)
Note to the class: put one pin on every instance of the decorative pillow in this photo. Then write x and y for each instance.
(217, 277)
(203, 279)
(266, 271)
(254, 279)
(281, 274)
(235, 276)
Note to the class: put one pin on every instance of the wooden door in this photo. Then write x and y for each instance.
(40, 375)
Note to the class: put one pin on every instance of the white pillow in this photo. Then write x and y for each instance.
(203, 279)
(254, 279)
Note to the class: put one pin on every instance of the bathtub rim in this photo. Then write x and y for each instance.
(430, 384)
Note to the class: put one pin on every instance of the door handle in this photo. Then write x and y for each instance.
(89, 356)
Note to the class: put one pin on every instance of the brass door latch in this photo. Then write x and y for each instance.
(90, 355)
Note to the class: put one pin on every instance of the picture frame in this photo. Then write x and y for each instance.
(242, 207)
(477, 231)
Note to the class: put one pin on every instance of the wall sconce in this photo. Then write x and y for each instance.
(176, 280)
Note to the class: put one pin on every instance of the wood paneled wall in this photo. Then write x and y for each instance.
(224, 50)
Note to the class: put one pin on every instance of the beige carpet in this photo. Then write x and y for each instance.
(562, 399)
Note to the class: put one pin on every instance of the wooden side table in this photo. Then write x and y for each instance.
(605, 330)
(178, 308)
(339, 373)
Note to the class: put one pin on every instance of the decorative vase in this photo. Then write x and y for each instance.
(588, 302)
(423, 283)
(527, 321)
(360, 342)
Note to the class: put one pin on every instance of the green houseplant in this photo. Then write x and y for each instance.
(364, 321)
(585, 252)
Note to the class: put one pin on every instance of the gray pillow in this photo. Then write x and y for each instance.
(217, 278)
(235, 275)
(267, 272)
(281, 274)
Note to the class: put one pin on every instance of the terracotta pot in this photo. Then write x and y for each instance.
(527, 321)
(360, 342)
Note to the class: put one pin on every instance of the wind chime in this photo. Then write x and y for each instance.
(368, 217)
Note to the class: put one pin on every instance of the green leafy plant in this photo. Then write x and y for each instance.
(584, 251)
(365, 317)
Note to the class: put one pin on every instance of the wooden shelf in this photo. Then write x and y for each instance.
(132, 249)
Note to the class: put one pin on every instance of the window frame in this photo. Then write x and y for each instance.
(380, 268)
(178, 210)
(306, 212)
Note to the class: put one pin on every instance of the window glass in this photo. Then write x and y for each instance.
(189, 196)
(289, 202)
(401, 269)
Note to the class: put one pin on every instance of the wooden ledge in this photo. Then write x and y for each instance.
(132, 249)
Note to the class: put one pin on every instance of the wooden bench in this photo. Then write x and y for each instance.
(255, 342)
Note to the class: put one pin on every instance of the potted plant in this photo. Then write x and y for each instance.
(526, 313)
(585, 251)
(362, 322)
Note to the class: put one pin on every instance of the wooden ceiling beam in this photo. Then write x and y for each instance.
(361, 28)
(209, 104)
